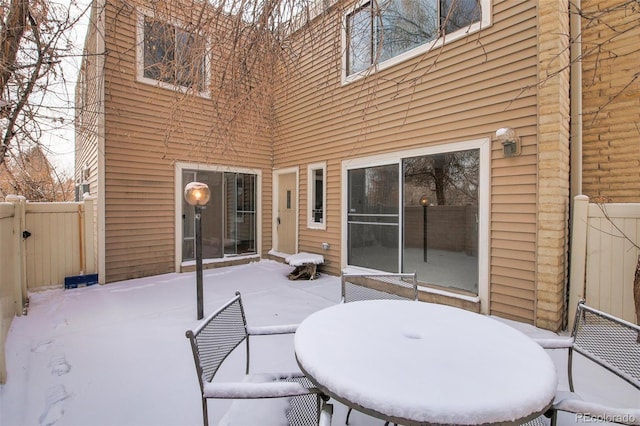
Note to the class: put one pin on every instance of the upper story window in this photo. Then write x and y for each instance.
(378, 31)
(170, 55)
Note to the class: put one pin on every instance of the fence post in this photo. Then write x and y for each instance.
(20, 262)
(89, 234)
(578, 254)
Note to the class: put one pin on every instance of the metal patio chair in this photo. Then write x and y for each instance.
(610, 342)
(377, 286)
(214, 340)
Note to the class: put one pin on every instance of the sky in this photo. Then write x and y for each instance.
(117, 355)
(60, 142)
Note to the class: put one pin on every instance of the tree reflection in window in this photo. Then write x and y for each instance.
(380, 30)
(172, 55)
(449, 178)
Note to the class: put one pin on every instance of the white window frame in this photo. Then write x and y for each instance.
(311, 195)
(485, 22)
(141, 14)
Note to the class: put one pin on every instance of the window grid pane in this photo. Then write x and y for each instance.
(458, 14)
(397, 26)
(318, 196)
(407, 25)
(189, 64)
(360, 32)
(158, 50)
(373, 218)
(173, 56)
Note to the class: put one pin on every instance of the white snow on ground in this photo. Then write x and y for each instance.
(117, 354)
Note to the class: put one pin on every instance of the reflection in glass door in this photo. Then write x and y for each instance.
(229, 219)
(441, 233)
(240, 217)
(211, 217)
(440, 236)
(373, 218)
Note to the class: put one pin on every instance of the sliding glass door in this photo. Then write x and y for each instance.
(373, 218)
(440, 197)
(435, 233)
(228, 221)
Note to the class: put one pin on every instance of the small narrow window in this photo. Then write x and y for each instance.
(316, 200)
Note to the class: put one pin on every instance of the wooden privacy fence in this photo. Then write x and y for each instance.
(40, 245)
(604, 255)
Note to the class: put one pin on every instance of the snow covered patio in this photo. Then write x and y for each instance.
(117, 354)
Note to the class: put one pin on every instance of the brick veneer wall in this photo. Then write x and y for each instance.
(611, 100)
(553, 162)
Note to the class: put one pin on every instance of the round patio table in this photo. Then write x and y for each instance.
(422, 363)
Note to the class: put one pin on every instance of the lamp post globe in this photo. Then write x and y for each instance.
(197, 194)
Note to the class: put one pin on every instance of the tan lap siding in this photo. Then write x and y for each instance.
(477, 85)
(148, 129)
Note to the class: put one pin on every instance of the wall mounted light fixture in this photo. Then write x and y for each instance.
(510, 141)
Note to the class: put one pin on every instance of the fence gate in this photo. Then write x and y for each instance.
(57, 241)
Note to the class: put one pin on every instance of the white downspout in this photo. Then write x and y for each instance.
(575, 152)
(101, 201)
(575, 90)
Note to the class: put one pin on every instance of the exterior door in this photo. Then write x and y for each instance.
(287, 213)
(211, 218)
(433, 229)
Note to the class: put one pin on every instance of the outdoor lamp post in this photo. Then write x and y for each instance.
(197, 194)
(424, 202)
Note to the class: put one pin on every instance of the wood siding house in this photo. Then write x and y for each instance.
(333, 154)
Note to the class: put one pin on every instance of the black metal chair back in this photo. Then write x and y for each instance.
(217, 336)
(608, 341)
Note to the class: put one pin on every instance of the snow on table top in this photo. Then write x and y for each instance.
(425, 362)
(303, 258)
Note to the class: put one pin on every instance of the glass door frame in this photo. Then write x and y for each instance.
(383, 220)
(484, 147)
(179, 196)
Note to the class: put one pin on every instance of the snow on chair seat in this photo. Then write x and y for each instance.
(216, 337)
(305, 265)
